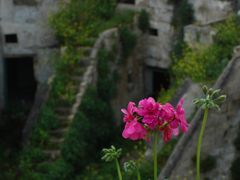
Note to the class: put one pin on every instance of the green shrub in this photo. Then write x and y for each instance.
(183, 14)
(58, 170)
(106, 85)
(93, 127)
(76, 149)
(204, 64)
(105, 8)
(143, 21)
(77, 22)
(228, 36)
(235, 173)
(178, 46)
(128, 41)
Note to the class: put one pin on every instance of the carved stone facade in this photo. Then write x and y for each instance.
(25, 33)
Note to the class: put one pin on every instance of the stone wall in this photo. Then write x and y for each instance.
(195, 35)
(220, 132)
(158, 46)
(34, 36)
(206, 11)
(130, 71)
(130, 85)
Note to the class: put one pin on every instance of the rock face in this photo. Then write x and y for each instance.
(210, 11)
(27, 23)
(195, 34)
(160, 34)
(220, 132)
(130, 85)
(159, 40)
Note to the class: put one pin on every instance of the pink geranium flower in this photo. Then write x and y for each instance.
(148, 107)
(129, 112)
(151, 116)
(180, 116)
(149, 110)
(167, 112)
(168, 132)
(134, 130)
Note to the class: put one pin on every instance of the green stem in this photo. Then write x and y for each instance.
(118, 169)
(200, 142)
(138, 174)
(155, 155)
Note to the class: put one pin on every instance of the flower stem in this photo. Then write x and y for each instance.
(138, 174)
(118, 169)
(200, 142)
(155, 154)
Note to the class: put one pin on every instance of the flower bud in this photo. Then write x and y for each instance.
(111, 154)
(205, 89)
(130, 166)
(216, 93)
(220, 99)
(210, 91)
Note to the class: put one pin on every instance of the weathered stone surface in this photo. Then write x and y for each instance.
(206, 11)
(194, 90)
(220, 132)
(195, 34)
(43, 64)
(130, 85)
(34, 36)
(157, 47)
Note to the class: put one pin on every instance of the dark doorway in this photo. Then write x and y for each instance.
(160, 81)
(20, 91)
(127, 1)
(20, 82)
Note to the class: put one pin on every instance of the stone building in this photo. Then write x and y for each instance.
(26, 47)
(157, 43)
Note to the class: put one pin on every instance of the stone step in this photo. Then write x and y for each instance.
(79, 71)
(62, 117)
(63, 111)
(89, 41)
(85, 61)
(65, 124)
(64, 103)
(86, 50)
(52, 154)
(77, 78)
(55, 143)
(58, 133)
(56, 140)
(43, 167)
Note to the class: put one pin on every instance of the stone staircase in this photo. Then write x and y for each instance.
(85, 75)
(65, 113)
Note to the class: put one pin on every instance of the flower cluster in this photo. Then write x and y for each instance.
(152, 116)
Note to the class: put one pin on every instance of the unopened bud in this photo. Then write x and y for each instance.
(216, 93)
(205, 89)
(220, 99)
(210, 91)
